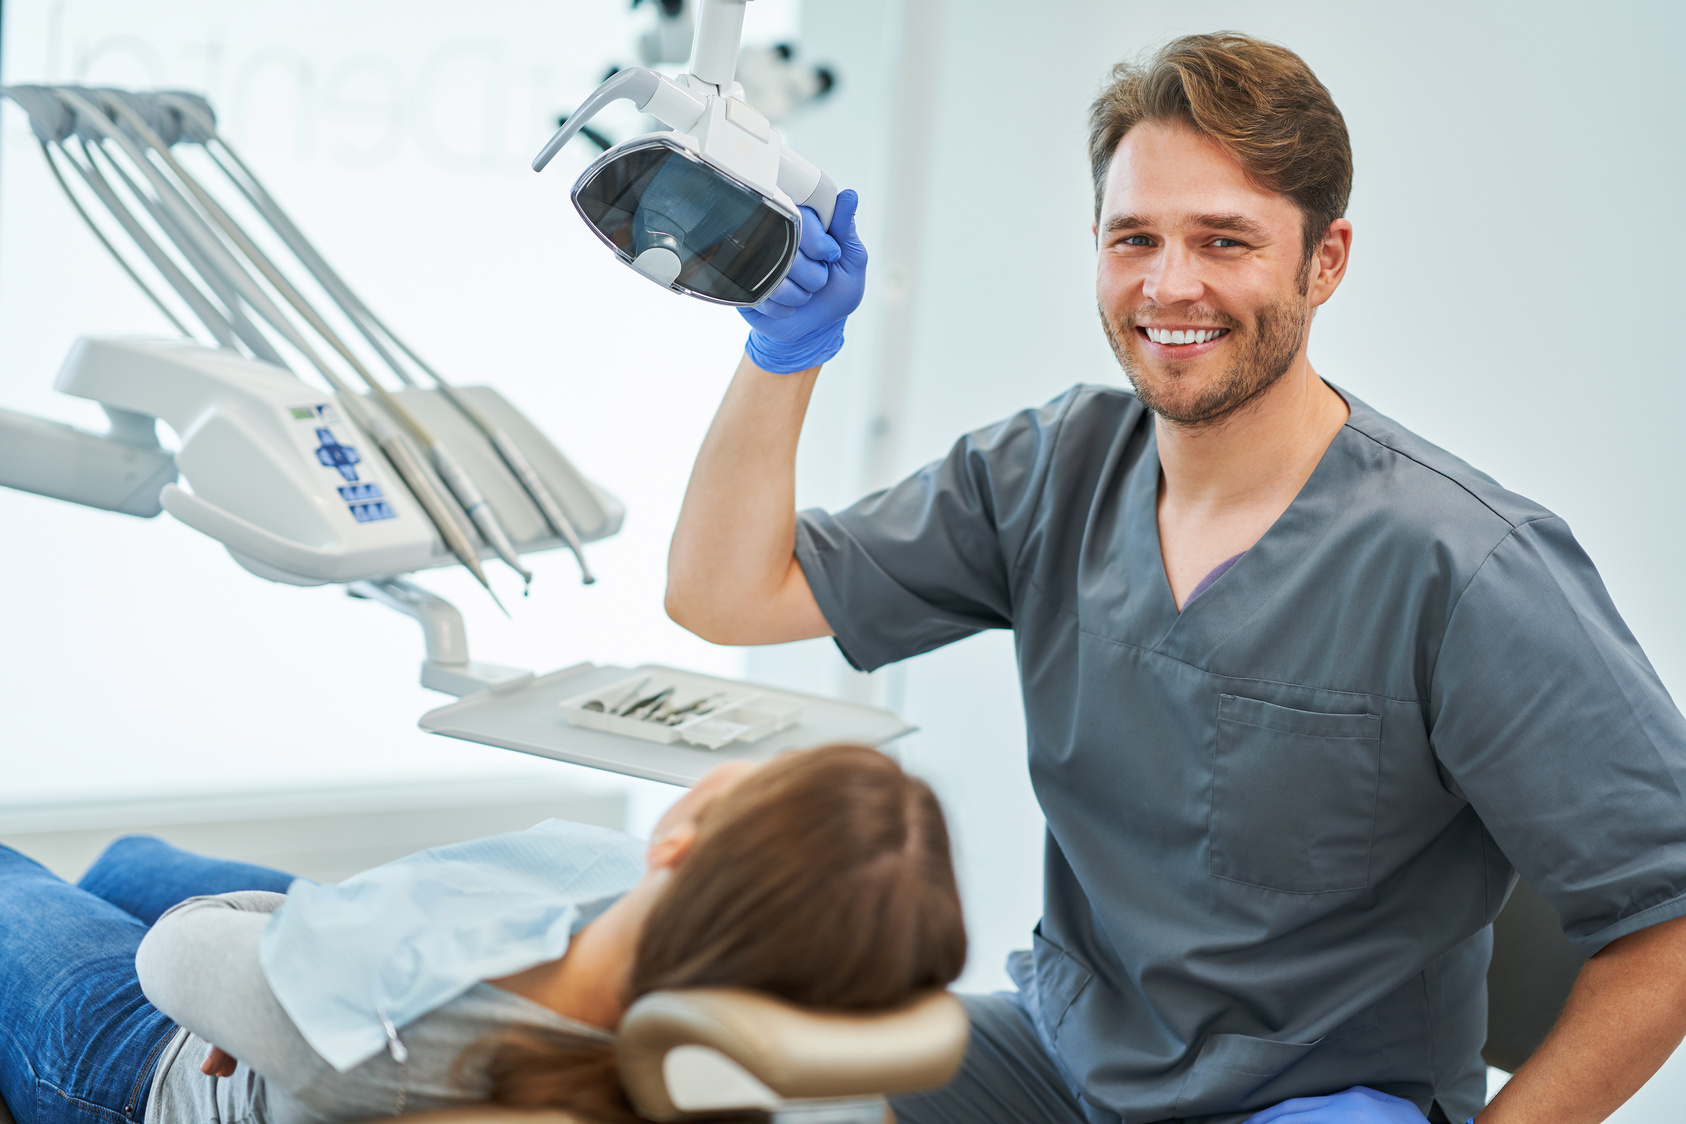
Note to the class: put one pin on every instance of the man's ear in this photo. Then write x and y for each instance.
(667, 849)
(1328, 264)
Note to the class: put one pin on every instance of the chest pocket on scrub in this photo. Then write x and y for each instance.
(1293, 796)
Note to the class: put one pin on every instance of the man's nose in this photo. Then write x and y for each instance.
(1174, 278)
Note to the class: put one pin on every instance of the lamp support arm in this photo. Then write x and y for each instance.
(714, 58)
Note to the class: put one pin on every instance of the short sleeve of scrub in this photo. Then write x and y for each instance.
(930, 560)
(1558, 732)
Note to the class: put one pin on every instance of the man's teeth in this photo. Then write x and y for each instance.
(1191, 335)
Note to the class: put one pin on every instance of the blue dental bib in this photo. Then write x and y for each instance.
(406, 938)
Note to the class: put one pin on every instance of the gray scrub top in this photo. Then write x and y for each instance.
(1280, 822)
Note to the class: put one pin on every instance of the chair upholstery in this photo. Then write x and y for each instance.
(793, 1053)
(490, 1114)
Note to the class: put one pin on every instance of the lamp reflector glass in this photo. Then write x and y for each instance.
(687, 224)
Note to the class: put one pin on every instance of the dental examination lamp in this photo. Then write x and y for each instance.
(709, 206)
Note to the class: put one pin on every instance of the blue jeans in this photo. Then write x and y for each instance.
(78, 1040)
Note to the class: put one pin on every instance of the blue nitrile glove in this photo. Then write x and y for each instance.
(800, 325)
(1357, 1105)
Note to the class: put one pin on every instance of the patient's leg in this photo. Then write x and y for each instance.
(78, 1040)
(144, 876)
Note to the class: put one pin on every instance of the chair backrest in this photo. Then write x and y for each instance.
(1533, 968)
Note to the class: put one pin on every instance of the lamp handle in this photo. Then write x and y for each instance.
(655, 94)
(807, 185)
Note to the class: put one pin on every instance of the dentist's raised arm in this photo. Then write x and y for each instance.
(732, 573)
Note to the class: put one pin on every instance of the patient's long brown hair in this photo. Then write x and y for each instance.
(824, 878)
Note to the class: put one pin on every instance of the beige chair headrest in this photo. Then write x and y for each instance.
(792, 1052)
(488, 1114)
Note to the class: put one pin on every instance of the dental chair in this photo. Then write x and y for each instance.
(688, 1055)
(719, 1053)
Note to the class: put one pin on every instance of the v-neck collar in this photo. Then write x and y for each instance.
(1193, 634)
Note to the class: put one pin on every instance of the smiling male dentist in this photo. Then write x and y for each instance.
(1303, 691)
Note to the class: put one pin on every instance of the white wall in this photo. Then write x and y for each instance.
(1513, 296)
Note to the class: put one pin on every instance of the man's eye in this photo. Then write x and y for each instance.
(1224, 243)
(1137, 240)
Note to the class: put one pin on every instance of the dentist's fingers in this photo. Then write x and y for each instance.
(852, 252)
(815, 242)
(766, 311)
(789, 295)
(808, 273)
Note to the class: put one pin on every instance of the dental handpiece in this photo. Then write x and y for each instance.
(468, 494)
(414, 475)
(371, 418)
(436, 509)
(372, 329)
(529, 477)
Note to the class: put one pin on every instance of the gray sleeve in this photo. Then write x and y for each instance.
(1551, 722)
(930, 560)
(199, 965)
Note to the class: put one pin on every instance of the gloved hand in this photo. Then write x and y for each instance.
(800, 325)
(1357, 1105)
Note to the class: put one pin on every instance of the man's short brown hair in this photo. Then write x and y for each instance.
(1258, 101)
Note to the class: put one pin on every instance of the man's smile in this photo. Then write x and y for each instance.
(1180, 343)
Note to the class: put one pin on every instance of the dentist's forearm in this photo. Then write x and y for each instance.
(732, 574)
(1625, 1016)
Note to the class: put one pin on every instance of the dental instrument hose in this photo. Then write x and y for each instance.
(366, 416)
(456, 478)
(372, 328)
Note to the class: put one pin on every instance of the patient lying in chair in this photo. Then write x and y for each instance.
(491, 971)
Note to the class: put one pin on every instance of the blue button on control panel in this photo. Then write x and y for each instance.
(334, 455)
(371, 512)
(363, 498)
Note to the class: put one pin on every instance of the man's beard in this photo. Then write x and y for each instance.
(1264, 356)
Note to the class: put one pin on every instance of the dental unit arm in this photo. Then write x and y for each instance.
(121, 470)
(303, 485)
(284, 481)
(128, 163)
